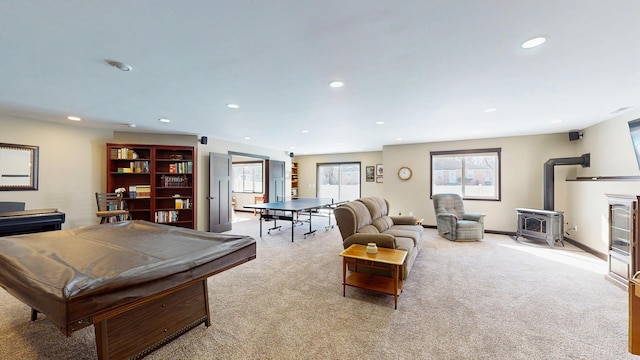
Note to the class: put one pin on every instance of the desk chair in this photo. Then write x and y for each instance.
(111, 208)
(257, 199)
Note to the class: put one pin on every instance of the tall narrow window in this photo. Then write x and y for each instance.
(338, 181)
(474, 174)
(247, 177)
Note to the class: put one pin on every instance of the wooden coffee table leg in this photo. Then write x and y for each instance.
(395, 285)
(344, 276)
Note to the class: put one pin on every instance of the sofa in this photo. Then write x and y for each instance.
(366, 220)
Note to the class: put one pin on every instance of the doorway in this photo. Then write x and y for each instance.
(238, 179)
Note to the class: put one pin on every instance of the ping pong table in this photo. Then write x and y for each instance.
(290, 210)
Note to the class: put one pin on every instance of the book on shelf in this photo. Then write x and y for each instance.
(174, 181)
(182, 203)
(123, 153)
(166, 216)
(132, 191)
(143, 191)
(184, 167)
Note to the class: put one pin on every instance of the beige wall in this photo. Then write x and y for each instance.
(73, 163)
(584, 203)
(522, 160)
(611, 155)
(307, 171)
(224, 147)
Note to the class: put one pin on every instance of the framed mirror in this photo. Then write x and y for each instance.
(18, 167)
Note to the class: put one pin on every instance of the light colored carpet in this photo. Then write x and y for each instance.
(494, 299)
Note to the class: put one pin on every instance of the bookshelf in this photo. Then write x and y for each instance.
(294, 180)
(158, 181)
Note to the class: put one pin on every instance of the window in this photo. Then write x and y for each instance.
(338, 181)
(474, 174)
(247, 177)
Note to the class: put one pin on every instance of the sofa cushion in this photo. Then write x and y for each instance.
(403, 243)
(368, 229)
(382, 224)
(415, 236)
(377, 206)
(417, 228)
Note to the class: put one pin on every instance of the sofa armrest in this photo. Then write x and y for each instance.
(381, 240)
(479, 217)
(446, 223)
(403, 220)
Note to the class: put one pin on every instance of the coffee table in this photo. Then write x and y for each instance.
(377, 283)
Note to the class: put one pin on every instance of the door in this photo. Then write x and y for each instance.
(275, 181)
(220, 186)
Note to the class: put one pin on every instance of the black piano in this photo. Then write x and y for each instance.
(30, 221)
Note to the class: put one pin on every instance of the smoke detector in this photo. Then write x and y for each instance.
(120, 65)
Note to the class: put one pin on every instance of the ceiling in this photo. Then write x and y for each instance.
(428, 69)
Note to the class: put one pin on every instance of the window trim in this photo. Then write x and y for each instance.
(497, 151)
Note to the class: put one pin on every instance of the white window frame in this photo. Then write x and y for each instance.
(248, 186)
(343, 192)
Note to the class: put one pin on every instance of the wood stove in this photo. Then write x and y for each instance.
(545, 225)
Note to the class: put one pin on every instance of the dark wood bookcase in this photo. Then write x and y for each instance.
(159, 181)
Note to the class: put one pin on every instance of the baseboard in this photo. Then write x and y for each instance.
(569, 240)
(586, 248)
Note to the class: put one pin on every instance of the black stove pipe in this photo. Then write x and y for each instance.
(584, 160)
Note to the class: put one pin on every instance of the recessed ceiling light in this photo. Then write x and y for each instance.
(398, 139)
(73, 118)
(336, 84)
(305, 131)
(164, 120)
(533, 42)
(233, 106)
(490, 110)
(379, 122)
(132, 125)
(247, 137)
(120, 65)
(556, 121)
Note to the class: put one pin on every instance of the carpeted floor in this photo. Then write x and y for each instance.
(493, 299)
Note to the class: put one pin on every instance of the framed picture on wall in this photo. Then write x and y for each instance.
(370, 173)
(18, 167)
(378, 179)
(379, 170)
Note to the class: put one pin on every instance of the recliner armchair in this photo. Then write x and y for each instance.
(453, 222)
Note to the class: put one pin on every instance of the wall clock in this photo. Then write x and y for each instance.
(405, 173)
